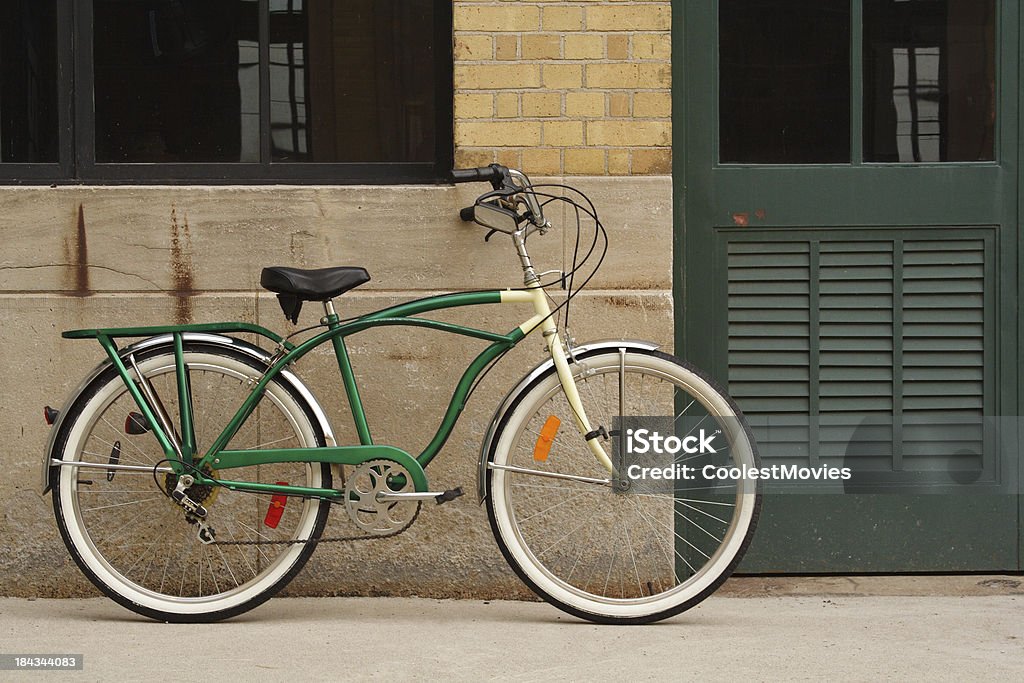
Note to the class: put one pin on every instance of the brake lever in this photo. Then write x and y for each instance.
(490, 235)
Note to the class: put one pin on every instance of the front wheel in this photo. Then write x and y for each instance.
(598, 551)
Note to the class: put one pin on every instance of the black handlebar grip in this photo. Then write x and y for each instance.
(467, 214)
(473, 175)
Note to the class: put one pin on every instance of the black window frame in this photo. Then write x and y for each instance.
(77, 125)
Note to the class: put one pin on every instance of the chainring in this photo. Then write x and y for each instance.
(375, 516)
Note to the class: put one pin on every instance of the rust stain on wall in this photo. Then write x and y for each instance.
(626, 301)
(406, 356)
(181, 267)
(76, 255)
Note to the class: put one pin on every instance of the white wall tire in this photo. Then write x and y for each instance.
(120, 543)
(552, 555)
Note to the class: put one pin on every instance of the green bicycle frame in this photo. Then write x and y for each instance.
(179, 446)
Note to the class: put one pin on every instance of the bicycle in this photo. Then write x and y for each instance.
(192, 472)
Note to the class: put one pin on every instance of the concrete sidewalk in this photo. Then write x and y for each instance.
(794, 637)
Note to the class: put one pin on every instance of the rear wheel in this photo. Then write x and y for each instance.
(138, 546)
(605, 555)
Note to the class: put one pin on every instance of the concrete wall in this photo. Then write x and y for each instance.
(101, 256)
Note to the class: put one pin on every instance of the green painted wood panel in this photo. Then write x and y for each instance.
(869, 304)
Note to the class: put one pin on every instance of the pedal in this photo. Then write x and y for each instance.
(449, 495)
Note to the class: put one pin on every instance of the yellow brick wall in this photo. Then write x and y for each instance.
(564, 87)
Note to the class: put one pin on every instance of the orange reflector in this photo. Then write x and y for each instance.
(546, 438)
(276, 508)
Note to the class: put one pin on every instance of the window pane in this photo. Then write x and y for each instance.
(352, 81)
(929, 80)
(176, 80)
(28, 81)
(784, 81)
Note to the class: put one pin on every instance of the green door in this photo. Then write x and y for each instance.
(846, 233)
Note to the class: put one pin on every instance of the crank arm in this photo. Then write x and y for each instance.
(438, 496)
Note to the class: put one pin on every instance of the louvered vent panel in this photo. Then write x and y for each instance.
(855, 284)
(769, 333)
(880, 343)
(943, 380)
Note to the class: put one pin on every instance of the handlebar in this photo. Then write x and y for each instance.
(471, 175)
(506, 183)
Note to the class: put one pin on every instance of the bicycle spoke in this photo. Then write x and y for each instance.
(257, 535)
(562, 538)
(669, 496)
(142, 555)
(657, 537)
(717, 519)
(632, 556)
(117, 531)
(213, 573)
(268, 443)
(677, 553)
(552, 507)
(709, 534)
(131, 443)
(608, 576)
(184, 571)
(114, 505)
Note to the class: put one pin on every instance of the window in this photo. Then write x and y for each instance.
(929, 80)
(923, 84)
(28, 82)
(784, 91)
(265, 90)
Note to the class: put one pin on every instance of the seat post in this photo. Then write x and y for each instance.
(329, 308)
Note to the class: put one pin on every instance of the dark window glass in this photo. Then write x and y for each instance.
(929, 80)
(28, 81)
(352, 81)
(176, 89)
(784, 81)
(176, 80)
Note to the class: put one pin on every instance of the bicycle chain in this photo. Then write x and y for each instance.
(334, 539)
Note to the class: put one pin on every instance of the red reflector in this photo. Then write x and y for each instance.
(50, 415)
(276, 508)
